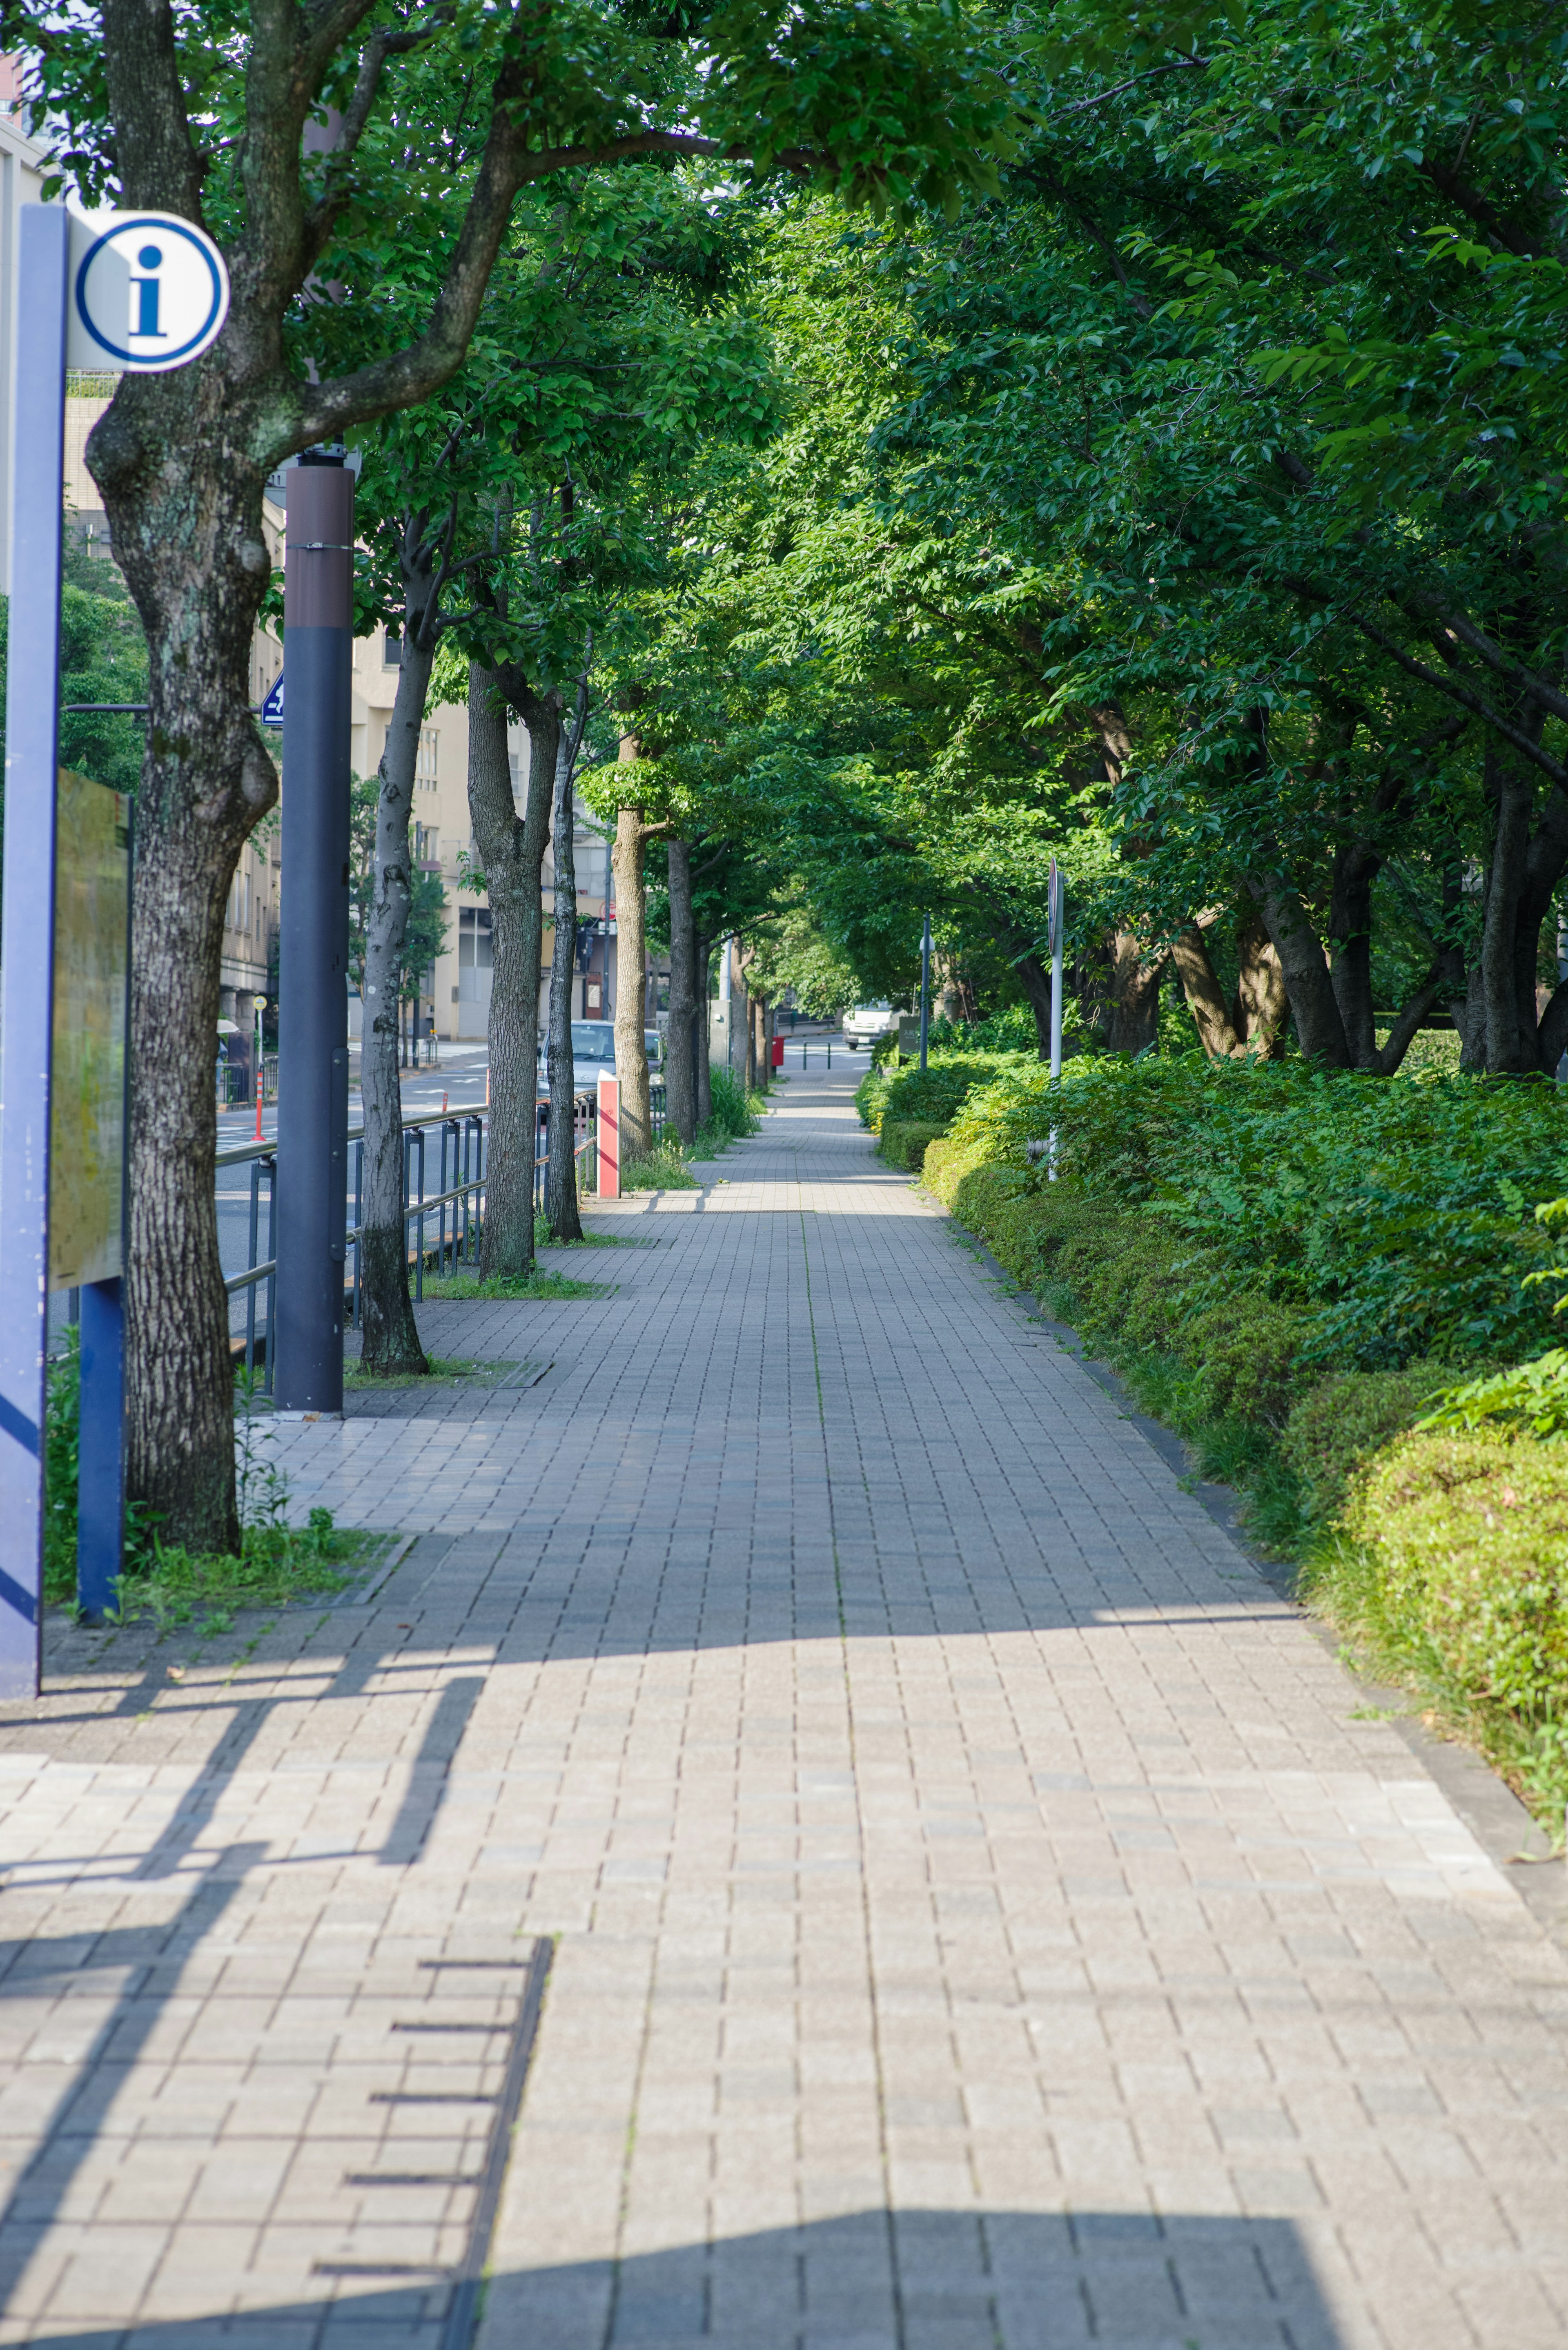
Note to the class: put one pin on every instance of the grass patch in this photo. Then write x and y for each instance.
(545, 1288)
(487, 1374)
(275, 1565)
(439, 1368)
(275, 1562)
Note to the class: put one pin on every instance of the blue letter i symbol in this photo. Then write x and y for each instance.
(149, 257)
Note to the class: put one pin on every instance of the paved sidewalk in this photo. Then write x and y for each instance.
(983, 1918)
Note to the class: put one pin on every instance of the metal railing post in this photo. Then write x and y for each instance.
(251, 1262)
(271, 1165)
(420, 1227)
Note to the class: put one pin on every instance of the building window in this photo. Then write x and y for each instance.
(427, 850)
(425, 763)
(475, 954)
(393, 649)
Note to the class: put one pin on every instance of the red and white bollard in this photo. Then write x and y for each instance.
(609, 1138)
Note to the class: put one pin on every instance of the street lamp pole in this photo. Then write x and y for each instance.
(925, 989)
(312, 948)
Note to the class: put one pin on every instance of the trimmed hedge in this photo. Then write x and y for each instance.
(1469, 1535)
(903, 1141)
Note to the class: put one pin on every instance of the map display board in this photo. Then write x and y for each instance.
(87, 1120)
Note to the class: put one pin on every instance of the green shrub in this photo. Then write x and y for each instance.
(931, 1093)
(902, 1141)
(733, 1113)
(1026, 1228)
(1533, 1397)
(1343, 1419)
(1469, 1536)
(1396, 1213)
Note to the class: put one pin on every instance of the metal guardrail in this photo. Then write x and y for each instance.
(457, 1204)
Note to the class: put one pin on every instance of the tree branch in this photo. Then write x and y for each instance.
(1464, 695)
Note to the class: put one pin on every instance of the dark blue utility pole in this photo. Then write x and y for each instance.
(313, 951)
(925, 989)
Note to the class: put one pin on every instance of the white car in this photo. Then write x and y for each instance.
(868, 1021)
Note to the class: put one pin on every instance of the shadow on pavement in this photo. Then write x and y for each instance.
(870, 2281)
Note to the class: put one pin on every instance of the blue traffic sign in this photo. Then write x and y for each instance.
(272, 708)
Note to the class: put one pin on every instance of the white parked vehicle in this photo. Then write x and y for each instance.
(868, 1023)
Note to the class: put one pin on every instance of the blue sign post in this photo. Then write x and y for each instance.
(27, 935)
(81, 295)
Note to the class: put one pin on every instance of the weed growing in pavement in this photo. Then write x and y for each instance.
(544, 1287)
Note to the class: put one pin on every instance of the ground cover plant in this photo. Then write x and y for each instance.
(542, 1287)
(736, 1113)
(1340, 1290)
(275, 1561)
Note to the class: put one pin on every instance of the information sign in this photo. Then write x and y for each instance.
(147, 291)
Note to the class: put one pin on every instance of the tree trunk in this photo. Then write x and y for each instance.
(561, 1175)
(1511, 1040)
(679, 1070)
(1350, 931)
(391, 1337)
(1213, 1017)
(1263, 1005)
(1319, 1028)
(703, 1035)
(1118, 993)
(512, 851)
(188, 535)
(632, 964)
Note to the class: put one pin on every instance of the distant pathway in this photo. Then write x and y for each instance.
(983, 1921)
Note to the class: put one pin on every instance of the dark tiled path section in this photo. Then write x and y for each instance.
(983, 1921)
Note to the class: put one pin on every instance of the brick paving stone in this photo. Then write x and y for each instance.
(980, 1916)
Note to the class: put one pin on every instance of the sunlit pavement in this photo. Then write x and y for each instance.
(982, 1912)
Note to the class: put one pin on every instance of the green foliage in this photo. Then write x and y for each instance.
(546, 1287)
(1530, 1398)
(735, 1114)
(891, 1089)
(665, 1167)
(1395, 1217)
(1011, 1030)
(903, 1141)
(1470, 1539)
(1343, 1419)
(62, 1420)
